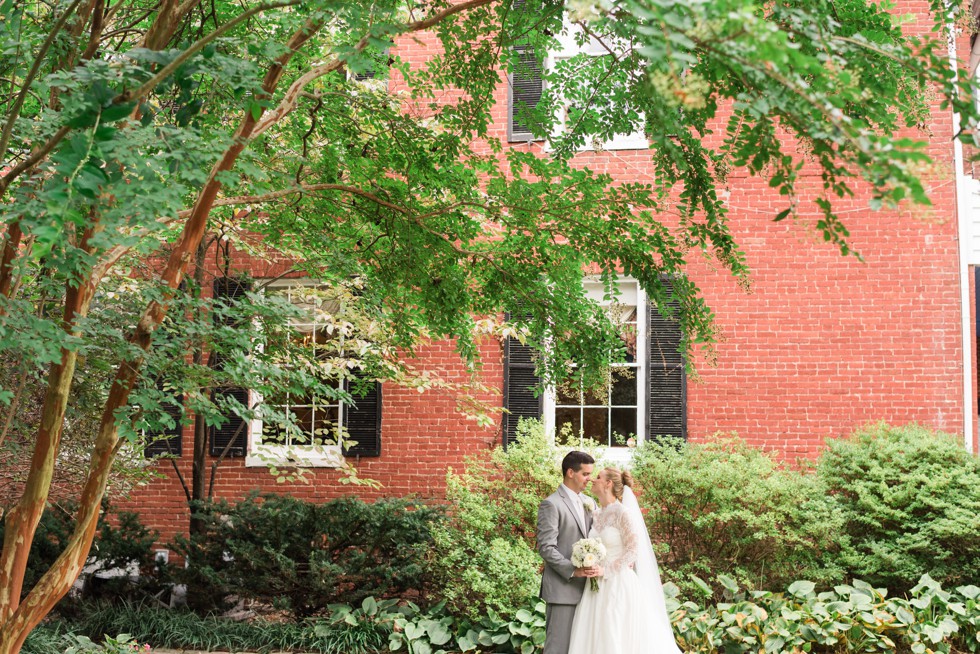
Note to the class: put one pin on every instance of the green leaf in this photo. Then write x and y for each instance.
(802, 589)
(90, 180)
(116, 112)
(730, 584)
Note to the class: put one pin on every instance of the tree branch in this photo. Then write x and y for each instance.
(26, 84)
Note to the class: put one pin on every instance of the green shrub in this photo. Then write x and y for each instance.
(485, 553)
(121, 542)
(723, 507)
(910, 501)
(302, 556)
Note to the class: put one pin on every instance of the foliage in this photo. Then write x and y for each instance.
(122, 543)
(521, 632)
(363, 628)
(849, 618)
(422, 633)
(723, 507)
(177, 629)
(48, 638)
(910, 503)
(484, 555)
(81, 421)
(302, 556)
(121, 644)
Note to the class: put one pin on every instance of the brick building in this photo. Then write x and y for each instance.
(818, 346)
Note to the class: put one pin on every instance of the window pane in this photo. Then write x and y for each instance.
(595, 425)
(567, 394)
(624, 387)
(325, 422)
(627, 332)
(594, 398)
(570, 417)
(273, 434)
(304, 422)
(623, 425)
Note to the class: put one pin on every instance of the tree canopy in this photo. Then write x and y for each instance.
(138, 133)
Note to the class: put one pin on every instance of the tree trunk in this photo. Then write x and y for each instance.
(23, 518)
(60, 577)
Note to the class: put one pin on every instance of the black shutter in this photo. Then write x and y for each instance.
(366, 75)
(520, 382)
(234, 430)
(170, 440)
(226, 291)
(362, 420)
(667, 379)
(526, 86)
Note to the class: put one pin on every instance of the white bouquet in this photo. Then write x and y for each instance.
(588, 553)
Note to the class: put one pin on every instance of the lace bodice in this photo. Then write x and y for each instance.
(612, 525)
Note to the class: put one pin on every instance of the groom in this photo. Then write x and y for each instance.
(562, 521)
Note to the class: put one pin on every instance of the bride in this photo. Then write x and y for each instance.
(627, 615)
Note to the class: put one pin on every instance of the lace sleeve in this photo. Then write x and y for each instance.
(621, 521)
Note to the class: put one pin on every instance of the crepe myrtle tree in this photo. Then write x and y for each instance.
(132, 129)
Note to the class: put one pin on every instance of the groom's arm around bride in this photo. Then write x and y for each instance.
(563, 521)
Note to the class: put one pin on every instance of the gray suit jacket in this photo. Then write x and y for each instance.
(559, 529)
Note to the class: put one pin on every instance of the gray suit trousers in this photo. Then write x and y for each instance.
(559, 630)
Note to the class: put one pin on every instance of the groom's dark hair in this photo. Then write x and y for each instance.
(574, 460)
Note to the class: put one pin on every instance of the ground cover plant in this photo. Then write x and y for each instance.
(852, 617)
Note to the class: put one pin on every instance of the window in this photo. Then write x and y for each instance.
(373, 67)
(574, 42)
(645, 398)
(316, 438)
(610, 416)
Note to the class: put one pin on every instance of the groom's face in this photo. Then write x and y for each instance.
(577, 480)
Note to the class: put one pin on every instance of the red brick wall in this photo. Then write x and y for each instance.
(820, 345)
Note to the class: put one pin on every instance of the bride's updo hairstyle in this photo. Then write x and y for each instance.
(620, 479)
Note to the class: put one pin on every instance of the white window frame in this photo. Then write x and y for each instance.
(569, 47)
(259, 454)
(617, 454)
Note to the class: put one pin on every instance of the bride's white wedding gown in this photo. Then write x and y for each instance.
(623, 616)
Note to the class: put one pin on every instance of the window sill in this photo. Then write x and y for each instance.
(325, 456)
(628, 142)
(622, 455)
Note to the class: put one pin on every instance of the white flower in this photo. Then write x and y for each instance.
(588, 552)
(588, 504)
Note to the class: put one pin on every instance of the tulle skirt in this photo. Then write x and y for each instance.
(616, 619)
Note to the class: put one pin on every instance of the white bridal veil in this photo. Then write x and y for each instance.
(649, 573)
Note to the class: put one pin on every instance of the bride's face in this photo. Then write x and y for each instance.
(600, 484)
